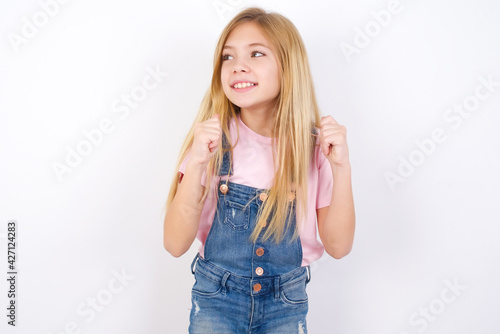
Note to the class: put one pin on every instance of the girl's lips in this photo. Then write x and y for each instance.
(243, 90)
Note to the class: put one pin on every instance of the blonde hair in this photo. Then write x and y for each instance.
(295, 119)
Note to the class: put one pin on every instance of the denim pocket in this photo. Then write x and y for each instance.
(237, 216)
(205, 286)
(294, 293)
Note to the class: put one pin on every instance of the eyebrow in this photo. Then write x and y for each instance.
(250, 45)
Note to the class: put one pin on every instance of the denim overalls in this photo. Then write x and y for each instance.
(241, 287)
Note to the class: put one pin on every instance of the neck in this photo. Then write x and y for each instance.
(259, 121)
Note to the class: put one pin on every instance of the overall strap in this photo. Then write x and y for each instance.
(226, 159)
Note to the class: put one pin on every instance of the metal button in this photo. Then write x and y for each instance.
(291, 196)
(263, 196)
(259, 251)
(257, 287)
(223, 188)
(259, 271)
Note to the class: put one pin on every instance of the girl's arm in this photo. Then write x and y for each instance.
(336, 222)
(183, 215)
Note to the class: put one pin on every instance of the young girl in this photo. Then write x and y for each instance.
(255, 173)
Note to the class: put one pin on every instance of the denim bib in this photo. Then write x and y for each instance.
(228, 243)
(245, 287)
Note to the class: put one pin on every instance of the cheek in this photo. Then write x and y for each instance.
(224, 80)
(273, 77)
(225, 90)
(275, 81)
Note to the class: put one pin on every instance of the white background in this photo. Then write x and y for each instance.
(441, 223)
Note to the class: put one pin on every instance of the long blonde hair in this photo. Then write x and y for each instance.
(296, 117)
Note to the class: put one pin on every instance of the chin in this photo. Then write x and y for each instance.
(241, 104)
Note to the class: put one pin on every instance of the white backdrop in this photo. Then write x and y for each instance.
(97, 96)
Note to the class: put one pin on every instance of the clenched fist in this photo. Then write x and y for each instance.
(207, 136)
(332, 139)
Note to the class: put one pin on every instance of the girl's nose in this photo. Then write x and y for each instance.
(239, 67)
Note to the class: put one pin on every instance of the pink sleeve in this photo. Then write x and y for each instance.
(182, 168)
(325, 180)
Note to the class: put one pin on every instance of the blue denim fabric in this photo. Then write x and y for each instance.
(224, 303)
(224, 297)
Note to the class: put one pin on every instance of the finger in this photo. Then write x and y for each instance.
(215, 117)
(333, 138)
(326, 148)
(213, 146)
(213, 149)
(324, 144)
(333, 129)
(213, 143)
(213, 124)
(214, 121)
(212, 131)
(213, 140)
(328, 120)
(327, 132)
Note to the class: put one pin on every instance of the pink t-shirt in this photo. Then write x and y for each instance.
(253, 166)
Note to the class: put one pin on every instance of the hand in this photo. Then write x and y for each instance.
(207, 136)
(333, 142)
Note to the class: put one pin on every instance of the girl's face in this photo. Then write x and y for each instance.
(249, 74)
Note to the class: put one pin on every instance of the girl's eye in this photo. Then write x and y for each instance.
(254, 54)
(257, 54)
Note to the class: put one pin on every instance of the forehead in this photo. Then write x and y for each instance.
(246, 34)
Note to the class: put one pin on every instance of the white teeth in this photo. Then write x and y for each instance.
(243, 85)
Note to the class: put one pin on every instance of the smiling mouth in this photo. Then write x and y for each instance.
(243, 85)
